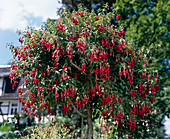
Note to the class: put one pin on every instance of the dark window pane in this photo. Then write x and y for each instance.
(12, 111)
(8, 86)
(14, 104)
(15, 110)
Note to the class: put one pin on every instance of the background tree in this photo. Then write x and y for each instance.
(89, 4)
(82, 62)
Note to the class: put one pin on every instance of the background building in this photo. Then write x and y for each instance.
(9, 104)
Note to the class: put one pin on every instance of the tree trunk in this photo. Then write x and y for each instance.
(119, 132)
(90, 122)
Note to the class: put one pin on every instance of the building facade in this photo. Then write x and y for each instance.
(9, 104)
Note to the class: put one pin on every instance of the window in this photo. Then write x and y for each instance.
(1, 86)
(8, 87)
(14, 104)
(14, 107)
(13, 111)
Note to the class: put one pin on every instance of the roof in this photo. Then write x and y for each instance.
(5, 70)
(9, 96)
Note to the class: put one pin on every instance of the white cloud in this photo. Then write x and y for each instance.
(15, 14)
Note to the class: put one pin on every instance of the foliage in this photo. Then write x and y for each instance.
(147, 25)
(91, 5)
(47, 132)
(82, 61)
(7, 129)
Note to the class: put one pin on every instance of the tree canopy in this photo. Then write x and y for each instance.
(83, 62)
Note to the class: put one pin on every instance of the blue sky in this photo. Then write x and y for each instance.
(18, 14)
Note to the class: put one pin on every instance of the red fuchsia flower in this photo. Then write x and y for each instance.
(87, 23)
(103, 102)
(78, 104)
(48, 46)
(91, 57)
(28, 104)
(135, 109)
(31, 95)
(133, 93)
(20, 99)
(60, 27)
(70, 56)
(64, 77)
(83, 68)
(113, 42)
(77, 123)
(56, 94)
(122, 32)
(40, 89)
(114, 99)
(33, 109)
(156, 87)
(101, 28)
(117, 16)
(144, 75)
(65, 67)
(74, 20)
(43, 104)
(43, 43)
(35, 81)
(32, 101)
(85, 99)
(120, 73)
(153, 91)
(124, 72)
(21, 41)
(79, 13)
(14, 84)
(144, 111)
(156, 79)
(84, 48)
(26, 109)
(105, 113)
(103, 42)
(107, 44)
(102, 132)
(119, 34)
(97, 18)
(132, 124)
(20, 91)
(28, 33)
(39, 116)
(119, 116)
(65, 109)
(79, 46)
(120, 100)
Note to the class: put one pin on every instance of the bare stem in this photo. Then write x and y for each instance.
(76, 66)
(72, 104)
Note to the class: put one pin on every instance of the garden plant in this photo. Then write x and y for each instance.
(82, 62)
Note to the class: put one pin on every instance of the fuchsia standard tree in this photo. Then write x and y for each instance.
(82, 62)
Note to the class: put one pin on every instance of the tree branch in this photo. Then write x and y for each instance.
(72, 104)
(76, 66)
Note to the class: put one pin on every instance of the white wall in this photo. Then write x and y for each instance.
(1, 84)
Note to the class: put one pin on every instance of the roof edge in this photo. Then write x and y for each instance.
(5, 66)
